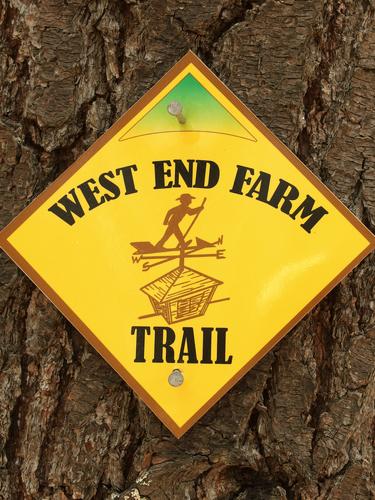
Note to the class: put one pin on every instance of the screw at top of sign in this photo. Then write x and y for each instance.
(175, 109)
(176, 378)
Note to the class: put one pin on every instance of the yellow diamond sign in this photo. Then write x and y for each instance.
(185, 243)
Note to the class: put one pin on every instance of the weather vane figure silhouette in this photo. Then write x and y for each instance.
(183, 292)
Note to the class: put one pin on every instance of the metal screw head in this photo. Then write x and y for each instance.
(176, 378)
(174, 108)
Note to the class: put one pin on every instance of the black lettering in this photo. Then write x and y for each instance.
(127, 175)
(221, 348)
(109, 186)
(263, 182)
(140, 332)
(284, 191)
(69, 207)
(213, 174)
(185, 173)
(243, 176)
(313, 215)
(89, 193)
(207, 345)
(160, 174)
(161, 344)
(189, 342)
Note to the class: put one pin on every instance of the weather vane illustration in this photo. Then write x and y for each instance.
(183, 292)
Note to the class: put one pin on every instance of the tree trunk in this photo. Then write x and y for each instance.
(298, 426)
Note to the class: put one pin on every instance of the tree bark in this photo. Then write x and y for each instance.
(299, 425)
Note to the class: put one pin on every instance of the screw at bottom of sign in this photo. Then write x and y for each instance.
(176, 378)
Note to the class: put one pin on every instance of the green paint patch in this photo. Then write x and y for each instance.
(202, 111)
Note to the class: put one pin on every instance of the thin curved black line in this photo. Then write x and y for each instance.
(122, 138)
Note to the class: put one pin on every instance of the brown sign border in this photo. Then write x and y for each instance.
(189, 58)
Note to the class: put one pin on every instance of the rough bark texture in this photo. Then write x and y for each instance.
(299, 425)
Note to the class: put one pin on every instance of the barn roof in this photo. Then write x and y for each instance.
(179, 283)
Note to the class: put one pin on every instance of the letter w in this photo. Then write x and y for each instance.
(136, 258)
(69, 207)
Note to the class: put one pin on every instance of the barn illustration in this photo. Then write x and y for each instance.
(181, 294)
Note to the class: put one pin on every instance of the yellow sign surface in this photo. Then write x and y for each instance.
(184, 247)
